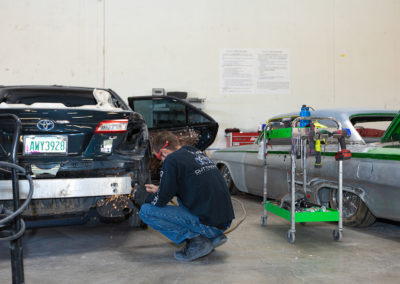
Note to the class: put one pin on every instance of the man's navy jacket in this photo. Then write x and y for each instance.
(191, 176)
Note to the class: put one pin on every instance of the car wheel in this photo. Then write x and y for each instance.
(355, 212)
(228, 179)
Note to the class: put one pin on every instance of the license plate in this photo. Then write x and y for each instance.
(46, 144)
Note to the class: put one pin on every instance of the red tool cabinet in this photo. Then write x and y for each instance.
(240, 138)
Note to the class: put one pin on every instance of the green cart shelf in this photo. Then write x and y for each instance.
(328, 216)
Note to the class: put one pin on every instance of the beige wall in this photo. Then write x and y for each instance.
(343, 52)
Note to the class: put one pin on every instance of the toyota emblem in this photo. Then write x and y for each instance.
(45, 125)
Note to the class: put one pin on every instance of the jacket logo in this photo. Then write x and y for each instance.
(45, 125)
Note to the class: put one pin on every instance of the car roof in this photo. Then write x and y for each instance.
(339, 113)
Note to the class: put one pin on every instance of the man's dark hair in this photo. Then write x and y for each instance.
(160, 141)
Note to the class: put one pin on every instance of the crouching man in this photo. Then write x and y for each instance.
(205, 209)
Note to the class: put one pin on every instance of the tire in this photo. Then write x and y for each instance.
(233, 190)
(355, 212)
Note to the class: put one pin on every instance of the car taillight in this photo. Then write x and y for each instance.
(112, 126)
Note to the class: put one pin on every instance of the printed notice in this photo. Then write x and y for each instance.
(254, 71)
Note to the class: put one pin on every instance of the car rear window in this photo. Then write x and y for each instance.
(70, 98)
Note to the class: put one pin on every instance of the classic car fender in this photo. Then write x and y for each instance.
(380, 179)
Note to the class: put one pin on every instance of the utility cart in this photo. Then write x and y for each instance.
(306, 141)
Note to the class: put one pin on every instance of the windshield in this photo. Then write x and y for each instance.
(371, 127)
(393, 132)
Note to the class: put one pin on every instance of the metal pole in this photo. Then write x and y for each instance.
(264, 218)
(292, 222)
(301, 151)
(305, 166)
(295, 147)
(340, 195)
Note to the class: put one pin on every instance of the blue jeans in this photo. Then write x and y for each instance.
(176, 222)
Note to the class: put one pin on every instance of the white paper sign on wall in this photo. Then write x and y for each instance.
(254, 71)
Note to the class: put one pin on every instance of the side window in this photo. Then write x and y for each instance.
(167, 113)
(161, 113)
(196, 117)
(145, 108)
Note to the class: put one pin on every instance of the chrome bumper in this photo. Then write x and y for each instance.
(67, 188)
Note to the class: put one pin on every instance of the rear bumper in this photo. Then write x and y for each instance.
(69, 188)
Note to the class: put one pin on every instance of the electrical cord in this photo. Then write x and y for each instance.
(237, 224)
(241, 219)
(10, 215)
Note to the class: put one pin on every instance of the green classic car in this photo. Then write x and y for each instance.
(371, 178)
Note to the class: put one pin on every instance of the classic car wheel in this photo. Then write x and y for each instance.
(228, 179)
(355, 212)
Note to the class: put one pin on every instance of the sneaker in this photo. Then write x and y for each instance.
(194, 249)
(218, 240)
(184, 247)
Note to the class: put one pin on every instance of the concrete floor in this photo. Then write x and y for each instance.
(114, 253)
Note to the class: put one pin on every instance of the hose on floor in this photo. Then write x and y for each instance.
(237, 224)
(241, 219)
(8, 216)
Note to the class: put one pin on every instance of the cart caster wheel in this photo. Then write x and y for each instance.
(263, 220)
(291, 237)
(337, 235)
